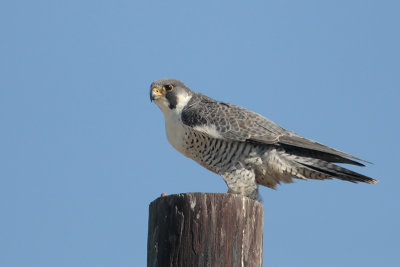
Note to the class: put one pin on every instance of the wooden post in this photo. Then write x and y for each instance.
(205, 229)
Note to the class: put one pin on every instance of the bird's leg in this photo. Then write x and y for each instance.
(242, 181)
(253, 194)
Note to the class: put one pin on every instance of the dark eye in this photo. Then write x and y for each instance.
(168, 87)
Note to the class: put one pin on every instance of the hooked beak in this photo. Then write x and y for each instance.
(155, 94)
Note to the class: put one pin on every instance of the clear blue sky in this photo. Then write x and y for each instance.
(83, 151)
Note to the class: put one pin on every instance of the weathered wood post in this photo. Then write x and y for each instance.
(205, 229)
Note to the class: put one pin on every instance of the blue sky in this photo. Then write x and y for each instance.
(83, 151)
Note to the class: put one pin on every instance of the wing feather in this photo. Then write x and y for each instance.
(231, 122)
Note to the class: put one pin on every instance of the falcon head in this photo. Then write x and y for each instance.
(169, 94)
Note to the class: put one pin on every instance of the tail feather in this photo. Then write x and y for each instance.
(335, 171)
(320, 165)
(281, 165)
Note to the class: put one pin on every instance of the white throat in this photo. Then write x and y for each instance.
(173, 123)
(182, 100)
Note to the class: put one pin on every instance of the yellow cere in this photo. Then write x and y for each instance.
(157, 91)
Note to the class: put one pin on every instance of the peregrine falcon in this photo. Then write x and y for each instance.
(243, 147)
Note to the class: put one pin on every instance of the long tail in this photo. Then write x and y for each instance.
(320, 169)
(283, 164)
(320, 165)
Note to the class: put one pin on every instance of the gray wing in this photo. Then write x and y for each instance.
(227, 121)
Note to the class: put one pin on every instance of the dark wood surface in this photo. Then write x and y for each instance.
(205, 229)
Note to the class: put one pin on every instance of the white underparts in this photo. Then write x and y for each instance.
(174, 127)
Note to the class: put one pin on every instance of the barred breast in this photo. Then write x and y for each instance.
(215, 154)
